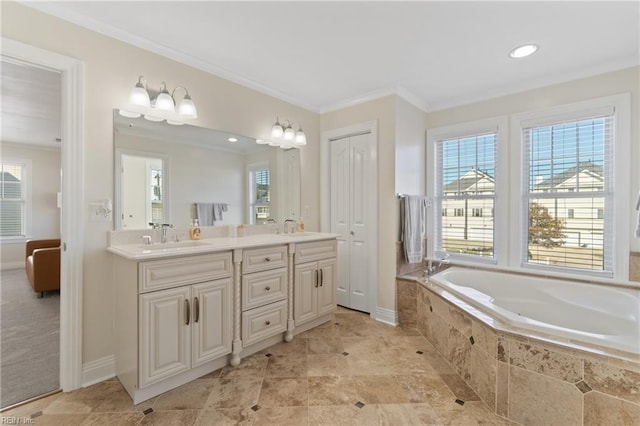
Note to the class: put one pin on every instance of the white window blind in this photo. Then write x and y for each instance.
(465, 181)
(12, 199)
(568, 187)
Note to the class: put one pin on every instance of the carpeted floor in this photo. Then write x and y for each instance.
(29, 339)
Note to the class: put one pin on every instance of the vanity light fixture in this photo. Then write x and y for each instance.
(159, 105)
(284, 135)
(523, 51)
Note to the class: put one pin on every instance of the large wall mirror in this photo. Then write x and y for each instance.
(172, 174)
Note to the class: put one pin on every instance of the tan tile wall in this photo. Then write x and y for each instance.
(634, 266)
(528, 381)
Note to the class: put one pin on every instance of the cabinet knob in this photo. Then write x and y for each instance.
(268, 322)
(353, 233)
(267, 288)
(267, 259)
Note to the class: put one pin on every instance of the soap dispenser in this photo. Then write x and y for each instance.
(194, 232)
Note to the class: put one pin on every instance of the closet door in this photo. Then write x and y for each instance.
(350, 163)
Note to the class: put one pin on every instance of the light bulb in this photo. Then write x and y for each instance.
(523, 51)
(289, 134)
(187, 108)
(276, 130)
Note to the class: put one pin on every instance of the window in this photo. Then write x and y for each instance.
(13, 199)
(465, 182)
(567, 168)
(260, 197)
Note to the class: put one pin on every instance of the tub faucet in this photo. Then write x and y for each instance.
(165, 226)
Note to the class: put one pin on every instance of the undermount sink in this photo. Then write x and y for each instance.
(172, 246)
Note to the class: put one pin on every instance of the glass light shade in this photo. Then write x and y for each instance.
(164, 102)
(187, 108)
(128, 114)
(289, 134)
(301, 138)
(277, 130)
(152, 118)
(139, 96)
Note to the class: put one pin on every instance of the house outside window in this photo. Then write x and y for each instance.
(13, 198)
(565, 165)
(465, 183)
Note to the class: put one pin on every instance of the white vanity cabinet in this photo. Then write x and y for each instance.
(264, 293)
(314, 280)
(182, 325)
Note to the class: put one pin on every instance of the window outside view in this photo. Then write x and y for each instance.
(261, 189)
(12, 201)
(467, 193)
(566, 197)
(566, 193)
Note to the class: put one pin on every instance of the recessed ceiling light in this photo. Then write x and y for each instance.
(233, 139)
(523, 51)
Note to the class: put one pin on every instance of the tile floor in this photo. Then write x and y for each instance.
(351, 371)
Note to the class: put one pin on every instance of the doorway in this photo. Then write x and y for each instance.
(351, 170)
(30, 183)
(72, 203)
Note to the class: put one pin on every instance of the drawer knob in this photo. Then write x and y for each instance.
(267, 288)
(268, 322)
(268, 259)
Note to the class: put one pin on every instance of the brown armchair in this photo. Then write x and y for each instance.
(42, 263)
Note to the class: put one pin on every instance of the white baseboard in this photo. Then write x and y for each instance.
(387, 316)
(98, 370)
(12, 265)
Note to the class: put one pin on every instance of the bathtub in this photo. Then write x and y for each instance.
(582, 313)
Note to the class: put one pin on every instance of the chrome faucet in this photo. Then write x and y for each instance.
(286, 229)
(432, 269)
(146, 239)
(165, 226)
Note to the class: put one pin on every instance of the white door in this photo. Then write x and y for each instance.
(164, 334)
(350, 188)
(211, 320)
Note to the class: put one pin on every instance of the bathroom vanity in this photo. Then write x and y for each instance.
(185, 309)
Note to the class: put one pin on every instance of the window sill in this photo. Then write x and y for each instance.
(14, 240)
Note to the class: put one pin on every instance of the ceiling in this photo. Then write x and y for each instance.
(326, 55)
(31, 105)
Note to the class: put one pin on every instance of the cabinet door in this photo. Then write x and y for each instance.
(305, 297)
(211, 320)
(164, 335)
(327, 286)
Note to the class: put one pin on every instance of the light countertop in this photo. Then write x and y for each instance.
(140, 251)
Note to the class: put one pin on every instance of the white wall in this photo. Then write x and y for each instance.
(410, 148)
(111, 69)
(45, 185)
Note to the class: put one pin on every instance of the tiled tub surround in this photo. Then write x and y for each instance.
(522, 375)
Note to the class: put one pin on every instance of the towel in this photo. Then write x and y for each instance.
(205, 214)
(218, 208)
(208, 213)
(412, 217)
(638, 210)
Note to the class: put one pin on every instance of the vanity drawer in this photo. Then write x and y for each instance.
(264, 287)
(166, 273)
(262, 259)
(263, 322)
(316, 250)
